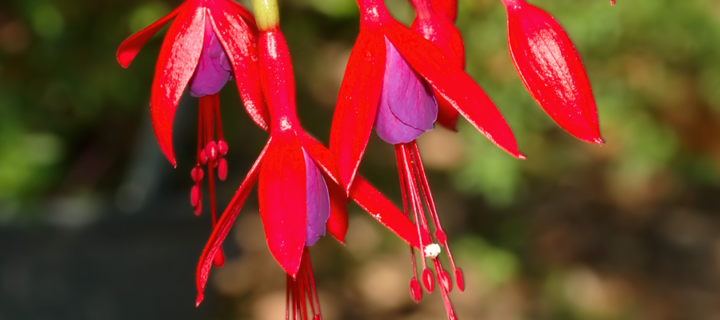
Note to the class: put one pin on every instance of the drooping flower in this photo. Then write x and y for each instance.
(209, 43)
(362, 85)
(435, 26)
(299, 189)
(551, 69)
(391, 81)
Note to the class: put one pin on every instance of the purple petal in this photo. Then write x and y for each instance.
(407, 106)
(214, 68)
(318, 202)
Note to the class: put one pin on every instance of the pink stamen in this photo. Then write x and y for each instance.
(219, 259)
(460, 279)
(440, 235)
(211, 150)
(197, 174)
(222, 169)
(222, 145)
(415, 291)
(416, 192)
(428, 280)
(443, 276)
(209, 153)
(203, 157)
(301, 293)
(195, 196)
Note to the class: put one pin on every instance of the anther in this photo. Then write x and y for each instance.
(222, 169)
(444, 279)
(415, 291)
(195, 196)
(428, 280)
(441, 237)
(460, 279)
(219, 259)
(211, 150)
(222, 147)
(197, 174)
(203, 157)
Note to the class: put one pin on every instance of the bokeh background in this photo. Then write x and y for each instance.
(95, 224)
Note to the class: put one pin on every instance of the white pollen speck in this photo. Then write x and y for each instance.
(432, 250)
(285, 124)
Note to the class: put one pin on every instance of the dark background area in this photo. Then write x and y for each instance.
(95, 224)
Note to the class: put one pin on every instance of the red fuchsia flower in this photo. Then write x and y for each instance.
(209, 43)
(362, 85)
(299, 190)
(389, 84)
(551, 69)
(435, 25)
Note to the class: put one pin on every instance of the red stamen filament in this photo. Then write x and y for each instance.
(209, 153)
(416, 191)
(301, 293)
(440, 235)
(415, 291)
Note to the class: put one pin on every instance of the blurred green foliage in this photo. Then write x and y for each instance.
(649, 63)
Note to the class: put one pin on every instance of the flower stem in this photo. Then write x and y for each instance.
(423, 8)
(267, 14)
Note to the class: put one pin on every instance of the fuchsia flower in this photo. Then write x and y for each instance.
(551, 69)
(360, 91)
(434, 24)
(208, 43)
(299, 190)
(389, 84)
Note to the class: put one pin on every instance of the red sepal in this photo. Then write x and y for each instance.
(357, 103)
(551, 70)
(363, 194)
(132, 45)
(452, 84)
(283, 201)
(337, 224)
(322, 156)
(372, 201)
(446, 37)
(224, 225)
(238, 35)
(447, 8)
(178, 59)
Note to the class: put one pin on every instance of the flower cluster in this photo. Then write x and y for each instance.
(399, 81)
